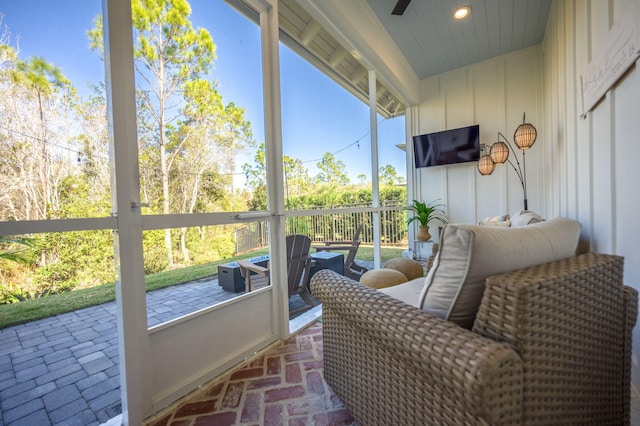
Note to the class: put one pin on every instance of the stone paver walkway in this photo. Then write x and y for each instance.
(64, 369)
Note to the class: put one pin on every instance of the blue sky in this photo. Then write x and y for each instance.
(318, 115)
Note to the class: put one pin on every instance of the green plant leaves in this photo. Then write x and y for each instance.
(425, 213)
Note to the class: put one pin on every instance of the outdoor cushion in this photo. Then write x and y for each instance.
(502, 218)
(408, 292)
(410, 268)
(380, 278)
(470, 253)
(504, 223)
(525, 217)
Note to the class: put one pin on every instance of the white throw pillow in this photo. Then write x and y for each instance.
(525, 217)
(504, 223)
(470, 253)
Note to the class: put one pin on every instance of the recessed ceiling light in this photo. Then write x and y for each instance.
(462, 12)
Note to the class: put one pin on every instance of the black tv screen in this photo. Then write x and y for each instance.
(447, 147)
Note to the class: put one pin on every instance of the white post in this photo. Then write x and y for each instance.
(125, 188)
(375, 184)
(273, 151)
(413, 181)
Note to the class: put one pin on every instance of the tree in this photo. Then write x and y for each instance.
(168, 53)
(93, 141)
(41, 79)
(41, 76)
(296, 177)
(170, 58)
(331, 171)
(389, 175)
(53, 164)
(256, 176)
(213, 132)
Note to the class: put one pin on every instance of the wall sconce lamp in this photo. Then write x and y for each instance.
(524, 138)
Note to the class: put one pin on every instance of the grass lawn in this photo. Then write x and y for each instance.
(34, 309)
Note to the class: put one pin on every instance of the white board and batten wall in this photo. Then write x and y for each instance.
(494, 94)
(601, 150)
(585, 164)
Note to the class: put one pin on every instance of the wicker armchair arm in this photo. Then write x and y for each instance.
(455, 373)
(570, 321)
(565, 303)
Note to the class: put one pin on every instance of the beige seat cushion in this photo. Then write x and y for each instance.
(408, 292)
(381, 278)
(470, 253)
(412, 269)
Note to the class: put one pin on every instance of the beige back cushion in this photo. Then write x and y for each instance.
(471, 253)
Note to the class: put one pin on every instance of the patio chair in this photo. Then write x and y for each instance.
(255, 276)
(298, 268)
(351, 268)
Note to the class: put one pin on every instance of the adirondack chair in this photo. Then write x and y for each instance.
(298, 268)
(351, 268)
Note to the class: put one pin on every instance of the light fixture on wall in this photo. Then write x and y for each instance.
(524, 138)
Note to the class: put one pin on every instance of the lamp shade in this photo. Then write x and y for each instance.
(525, 136)
(499, 152)
(486, 165)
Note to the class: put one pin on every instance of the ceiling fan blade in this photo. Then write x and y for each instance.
(401, 6)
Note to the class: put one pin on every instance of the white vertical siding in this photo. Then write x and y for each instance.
(602, 150)
(493, 94)
(586, 169)
(600, 156)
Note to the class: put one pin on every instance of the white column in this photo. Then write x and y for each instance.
(375, 184)
(412, 127)
(273, 150)
(130, 287)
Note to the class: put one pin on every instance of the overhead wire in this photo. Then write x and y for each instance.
(357, 142)
(98, 156)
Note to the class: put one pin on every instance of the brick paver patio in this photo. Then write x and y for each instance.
(282, 386)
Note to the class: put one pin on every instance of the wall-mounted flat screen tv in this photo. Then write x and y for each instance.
(447, 147)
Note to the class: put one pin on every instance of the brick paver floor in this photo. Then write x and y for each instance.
(64, 369)
(281, 386)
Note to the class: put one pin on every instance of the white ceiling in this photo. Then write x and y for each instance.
(304, 34)
(433, 42)
(346, 39)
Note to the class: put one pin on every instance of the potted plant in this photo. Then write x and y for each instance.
(424, 214)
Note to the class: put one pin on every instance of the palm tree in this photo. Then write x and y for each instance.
(41, 76)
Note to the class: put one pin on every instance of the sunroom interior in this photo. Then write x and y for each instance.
(508, 58)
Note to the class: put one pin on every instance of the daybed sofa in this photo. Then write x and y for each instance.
(546, 344)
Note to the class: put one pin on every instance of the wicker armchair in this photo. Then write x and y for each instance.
(551, 344)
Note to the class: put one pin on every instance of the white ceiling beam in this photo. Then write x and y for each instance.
(337, 56)
(310, 31)
(358, 75)
(388, 105)
(356, 27)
